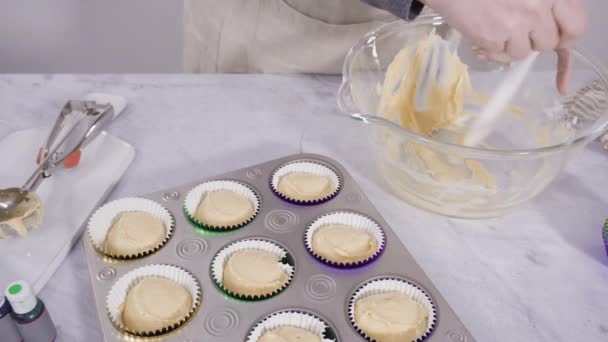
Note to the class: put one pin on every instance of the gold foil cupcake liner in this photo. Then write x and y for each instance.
(196, 195)
(315, 168)
(352, 219)
(294, 318)
(101, 221)
(393, 284)
(118, 293)
(219, 262)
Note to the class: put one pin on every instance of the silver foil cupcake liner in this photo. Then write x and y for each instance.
(393, 284)
(219, 262)
(101, 221)
(118, 293)
(312, 167)
(294, 318)
(196, 195)
(352, 219)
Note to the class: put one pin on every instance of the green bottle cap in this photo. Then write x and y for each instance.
(15, 289)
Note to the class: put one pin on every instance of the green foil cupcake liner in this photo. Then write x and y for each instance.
(219, 261)
(196, 195)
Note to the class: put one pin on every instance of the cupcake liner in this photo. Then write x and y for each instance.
(195, 196)
(307, 167)
(606, 236)
(102, 220)
(118, 294)
(392, 284)
(220, 259)
(299, 319)
(354, 220)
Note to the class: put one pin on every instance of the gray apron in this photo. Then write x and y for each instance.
(274, 36)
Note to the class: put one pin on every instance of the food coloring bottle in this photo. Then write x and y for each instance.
(33, 320)
(8, 330)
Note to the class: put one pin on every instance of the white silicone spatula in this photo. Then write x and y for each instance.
(483, 125)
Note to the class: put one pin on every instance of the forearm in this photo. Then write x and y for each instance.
(405, 9)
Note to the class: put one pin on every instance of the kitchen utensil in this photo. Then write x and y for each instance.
(483, 124)
(436, 65)
(62, 149)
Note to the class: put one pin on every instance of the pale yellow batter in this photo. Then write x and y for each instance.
(135, 232)
(343, 244)
(305, 186)
(155, 303)
(224, 208)
(289, 334)
(254, 272)
(28, 215)
(391, 317)
(443, 110)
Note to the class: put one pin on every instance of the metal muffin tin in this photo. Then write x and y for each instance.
(316, 288)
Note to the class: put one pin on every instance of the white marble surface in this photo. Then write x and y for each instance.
(540, 274)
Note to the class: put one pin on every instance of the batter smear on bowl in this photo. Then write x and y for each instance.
(443, 110)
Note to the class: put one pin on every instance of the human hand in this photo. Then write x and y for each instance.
(506, 30)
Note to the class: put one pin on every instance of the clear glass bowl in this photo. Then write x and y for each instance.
(523, 155)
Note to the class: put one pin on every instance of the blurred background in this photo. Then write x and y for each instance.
(134, 36)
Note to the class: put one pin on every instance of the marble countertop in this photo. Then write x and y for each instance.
(539, 274)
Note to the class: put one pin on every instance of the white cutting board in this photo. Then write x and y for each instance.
(68, 196)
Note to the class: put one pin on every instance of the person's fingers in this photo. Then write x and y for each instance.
(564, 70)
(545, 35)
(519, 46)
(571, 20)
(496, 45)
(499, 57)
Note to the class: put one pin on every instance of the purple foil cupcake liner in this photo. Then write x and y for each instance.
(606, 236)
(355, 220)
(314, 167)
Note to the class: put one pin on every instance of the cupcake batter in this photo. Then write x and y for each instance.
(30, 215)
(224, 208)
(155, 303)
(343, 244)
(254, 272)
(391, 317)
(444, 111)
(305, 186)
(135, 232)
(289, 334)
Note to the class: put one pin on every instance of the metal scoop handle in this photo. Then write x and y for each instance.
(94, 119)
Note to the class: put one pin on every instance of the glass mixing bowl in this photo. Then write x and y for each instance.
(519, 159)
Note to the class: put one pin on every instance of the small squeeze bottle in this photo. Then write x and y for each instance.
(8, 330)
(33, 320)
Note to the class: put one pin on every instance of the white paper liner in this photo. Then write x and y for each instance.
(351, 219)
(195, 196)
(392, 284)
(118, 293)
(296, 319)
(220, 259)
(102, 220)
(306, 167)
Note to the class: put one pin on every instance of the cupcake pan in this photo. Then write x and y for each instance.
(315, 288)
